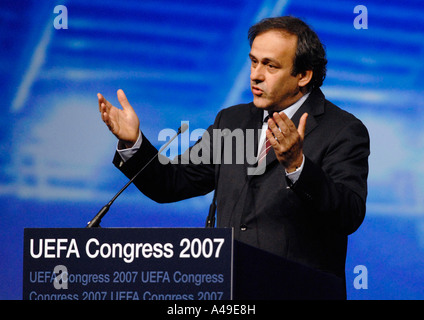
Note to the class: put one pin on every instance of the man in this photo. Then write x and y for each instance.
(312, 194)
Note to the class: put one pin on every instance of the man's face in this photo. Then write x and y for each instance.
(272, 55)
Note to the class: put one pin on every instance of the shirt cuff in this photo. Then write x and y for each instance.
(127, 153)
(294, 176)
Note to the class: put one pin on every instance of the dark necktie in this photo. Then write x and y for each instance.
(266, 146)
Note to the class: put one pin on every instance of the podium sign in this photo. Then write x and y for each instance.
(128, 264)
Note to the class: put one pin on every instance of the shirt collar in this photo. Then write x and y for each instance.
(290, 111)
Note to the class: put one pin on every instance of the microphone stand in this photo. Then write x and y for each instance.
(210, 220)
(95, 222)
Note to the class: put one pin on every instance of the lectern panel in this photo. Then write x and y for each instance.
(128, 264)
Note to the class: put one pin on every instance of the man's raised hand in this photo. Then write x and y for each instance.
(123, 123)
(287, 140)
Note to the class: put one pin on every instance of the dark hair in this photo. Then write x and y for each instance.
(310, 52)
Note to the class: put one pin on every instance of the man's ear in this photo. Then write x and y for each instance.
(305, 78)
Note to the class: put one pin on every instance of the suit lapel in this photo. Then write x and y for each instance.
(313, 106)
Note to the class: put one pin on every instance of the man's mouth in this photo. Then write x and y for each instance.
(257, 91)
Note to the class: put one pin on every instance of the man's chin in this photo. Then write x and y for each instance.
(263, 104)
(260, 103)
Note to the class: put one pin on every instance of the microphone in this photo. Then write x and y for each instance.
(95, 222)
(210, 220)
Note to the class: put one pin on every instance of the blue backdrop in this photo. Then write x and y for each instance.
(184, 61)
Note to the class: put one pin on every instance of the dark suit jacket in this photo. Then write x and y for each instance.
(307, 222)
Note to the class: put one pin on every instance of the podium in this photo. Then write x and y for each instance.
(162, 264)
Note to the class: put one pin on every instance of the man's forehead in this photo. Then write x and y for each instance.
(274, 44)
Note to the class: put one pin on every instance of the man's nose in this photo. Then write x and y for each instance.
(257, 74)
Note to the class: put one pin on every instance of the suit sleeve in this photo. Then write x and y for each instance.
(336, 189)
(167, 181)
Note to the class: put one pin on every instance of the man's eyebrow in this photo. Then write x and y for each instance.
(265, 60)
(274, 61)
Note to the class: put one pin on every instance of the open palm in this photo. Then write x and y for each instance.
(123, 123)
